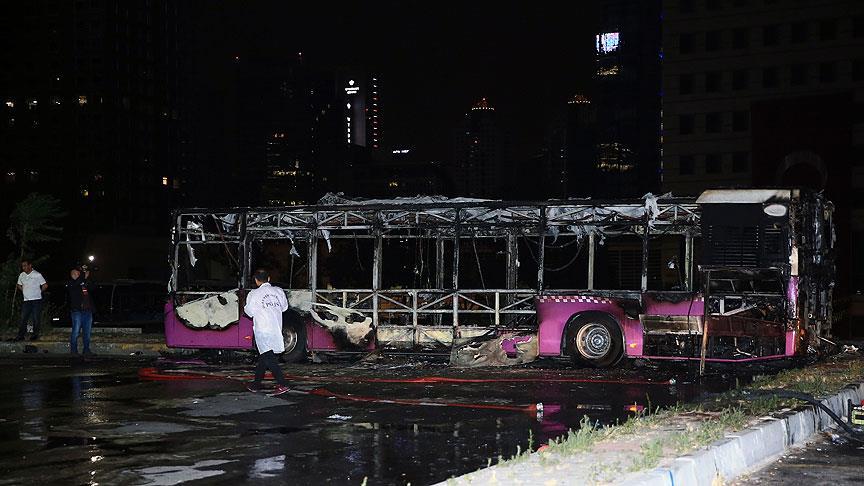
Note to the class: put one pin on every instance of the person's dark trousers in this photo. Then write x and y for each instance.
(30, 309)
(81, 321)
(269, 361)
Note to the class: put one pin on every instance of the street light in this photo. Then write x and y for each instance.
(91, 258)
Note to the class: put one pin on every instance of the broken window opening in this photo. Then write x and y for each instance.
(482, 263)
(347, 264)
(287, 261)
(666, 263)
(526, 271)
(408, 262)
(618, 263)
(216, 266)
(565, 262)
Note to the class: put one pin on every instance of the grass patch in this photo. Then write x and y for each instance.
(579, 440)
(649, 457)
(681, 429)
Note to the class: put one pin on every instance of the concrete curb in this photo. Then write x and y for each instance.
(745, 451)
(100, 348)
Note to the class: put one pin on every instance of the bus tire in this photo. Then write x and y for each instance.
(294, 336)
(594, 339)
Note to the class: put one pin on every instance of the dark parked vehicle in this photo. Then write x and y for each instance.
(118, 303)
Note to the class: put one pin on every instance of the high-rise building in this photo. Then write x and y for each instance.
(626, 99)
(364, 114)
(481, 165)
(768, 93)
(92, 109)
(778, 109)
(568, 163)
(285, 122)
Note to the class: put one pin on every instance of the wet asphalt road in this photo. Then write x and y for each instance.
(97, 422)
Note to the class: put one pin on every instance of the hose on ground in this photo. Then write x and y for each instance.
(854, 433)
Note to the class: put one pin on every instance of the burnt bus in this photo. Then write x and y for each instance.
(733, 275)
(767, 264)
(764, 270)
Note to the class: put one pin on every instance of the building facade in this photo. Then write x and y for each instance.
(769, 93)
(93, 110)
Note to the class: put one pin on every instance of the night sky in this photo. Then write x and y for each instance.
(435, 60)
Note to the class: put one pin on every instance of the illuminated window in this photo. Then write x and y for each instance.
(164, 181)
(607, 42)
(85, 193)
(614, 157)
(608, 71)
(10, 104)
(82, 100)
(55, 100)
(10, 177)
(32, 103)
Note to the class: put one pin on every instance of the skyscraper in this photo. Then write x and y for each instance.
(568, 163)
(284, 117)
(481, 166)
(626, 98)
(364, 113)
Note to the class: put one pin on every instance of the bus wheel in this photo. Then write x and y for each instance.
(294, 335)
(594, 340)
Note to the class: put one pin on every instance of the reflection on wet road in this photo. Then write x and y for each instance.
(98, 423)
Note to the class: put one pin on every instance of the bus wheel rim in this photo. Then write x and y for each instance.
(594, 341)
(290, 337)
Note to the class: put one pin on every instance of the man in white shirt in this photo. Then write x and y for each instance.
(31, 284)
(265, 306)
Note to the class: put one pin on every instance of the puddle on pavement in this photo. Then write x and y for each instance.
(168, 475)
(170, 433)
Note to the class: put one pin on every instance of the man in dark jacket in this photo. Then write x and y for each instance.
(81, 307)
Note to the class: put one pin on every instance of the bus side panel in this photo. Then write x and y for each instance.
(319, 339)
(178, 335)
(553, 312)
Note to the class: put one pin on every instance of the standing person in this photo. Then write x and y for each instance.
(81, 308)
(31, 284)
(265, 306)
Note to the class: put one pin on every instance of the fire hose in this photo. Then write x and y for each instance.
(854, 433)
